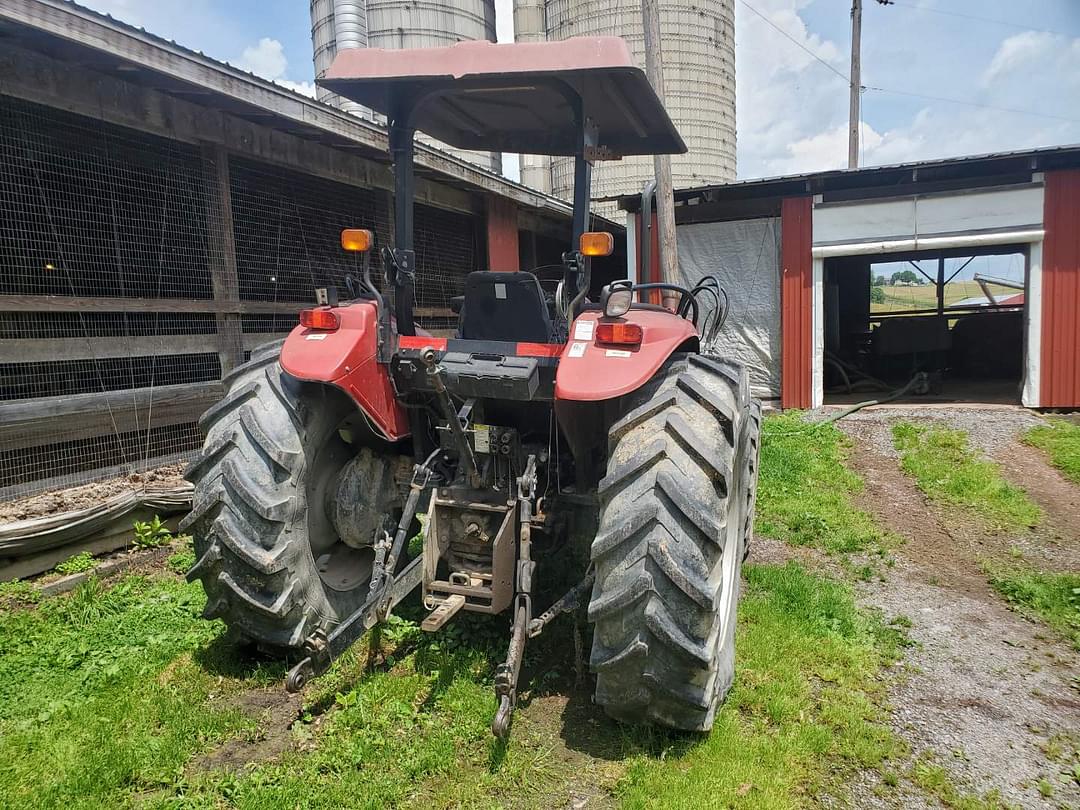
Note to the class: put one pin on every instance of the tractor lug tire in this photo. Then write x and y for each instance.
(271, 458)
(669, 547)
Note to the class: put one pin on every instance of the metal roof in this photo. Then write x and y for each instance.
(69, 32)
(518, 97)
(971, 170)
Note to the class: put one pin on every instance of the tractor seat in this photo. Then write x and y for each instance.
(504, 306)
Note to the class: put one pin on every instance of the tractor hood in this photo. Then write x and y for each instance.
(519, 97)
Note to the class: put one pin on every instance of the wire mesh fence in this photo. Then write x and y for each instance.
(136, 269)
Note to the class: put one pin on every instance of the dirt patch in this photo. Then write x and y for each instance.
(984, 691)
(1059, 498)
(941, 553)
(275, 710)
(56, 501)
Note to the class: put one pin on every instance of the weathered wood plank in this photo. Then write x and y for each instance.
(67, 303)
(48, 420)
(46, 350)
(222, 254)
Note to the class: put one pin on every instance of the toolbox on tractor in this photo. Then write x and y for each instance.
(547, 419)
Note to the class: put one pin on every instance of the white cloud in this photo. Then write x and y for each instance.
(1019, 50)
(303, 88)
(267, 59)
(783, 94)
(792, 111)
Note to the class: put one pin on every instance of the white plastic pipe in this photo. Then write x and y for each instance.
(927, 243)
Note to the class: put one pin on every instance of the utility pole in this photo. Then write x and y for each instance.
(856, 84)
(665, 192)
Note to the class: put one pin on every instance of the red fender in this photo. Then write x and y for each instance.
(345, 358)
(589, 371)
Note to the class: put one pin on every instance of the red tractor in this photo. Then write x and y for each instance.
(547, 414)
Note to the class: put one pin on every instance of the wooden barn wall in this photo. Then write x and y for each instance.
(136, 269)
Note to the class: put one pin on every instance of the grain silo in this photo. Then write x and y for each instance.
(698, 41)
(398, 24)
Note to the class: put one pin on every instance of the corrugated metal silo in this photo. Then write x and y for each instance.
(699, 76)
(399, 24)
(337, 24)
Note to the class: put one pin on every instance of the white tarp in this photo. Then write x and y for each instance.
(745, 256)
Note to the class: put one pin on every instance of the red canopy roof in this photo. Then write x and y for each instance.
(512, 98)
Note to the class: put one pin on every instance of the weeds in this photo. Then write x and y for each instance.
(1060, 440)
(181, 562)
(77, 564)
(804, 491)
(1054, 598)
(151, 534)
(946, 469)
(17, 592)
(935, 780)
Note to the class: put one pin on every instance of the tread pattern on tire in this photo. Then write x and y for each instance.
(249, 513)
(751, 461)
(672, 506)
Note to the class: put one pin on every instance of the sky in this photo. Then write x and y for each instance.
(942, 77)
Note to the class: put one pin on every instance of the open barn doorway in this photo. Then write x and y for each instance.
(955, 316)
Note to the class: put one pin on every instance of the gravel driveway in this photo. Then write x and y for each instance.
(985, 693)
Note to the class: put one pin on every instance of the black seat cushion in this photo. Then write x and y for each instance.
(504, 306)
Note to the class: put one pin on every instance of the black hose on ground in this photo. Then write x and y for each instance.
(919, 378)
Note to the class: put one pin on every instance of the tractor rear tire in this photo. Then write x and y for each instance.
(260, 516)
(669, 546)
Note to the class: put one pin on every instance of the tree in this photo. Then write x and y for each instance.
(879, 281)
(877, 294)
(905, 277)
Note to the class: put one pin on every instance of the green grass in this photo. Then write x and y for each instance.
(1054, 598)
(100, 696)
(1060, 440)
(925, 296)
(115, 697)
(18, 592)
(804, 713)
(935, 781)
(805, 491)
(946, 469)
(109, 696)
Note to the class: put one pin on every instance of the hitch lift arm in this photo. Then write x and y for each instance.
(384, 593)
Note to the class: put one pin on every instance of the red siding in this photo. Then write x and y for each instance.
(1060, 362)
(502, 235)
(796, 302)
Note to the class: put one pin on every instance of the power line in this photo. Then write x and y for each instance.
(991, 20)
(943, 99)
(972, 104)
(794, 41)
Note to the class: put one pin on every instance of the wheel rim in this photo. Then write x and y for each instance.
(341, 567)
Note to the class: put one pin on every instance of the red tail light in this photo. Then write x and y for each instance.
(325, 320)
(620, 334)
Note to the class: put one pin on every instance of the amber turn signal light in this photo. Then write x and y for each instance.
(357, 240)
(619, 334)
(597, 243)
(324, 320)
